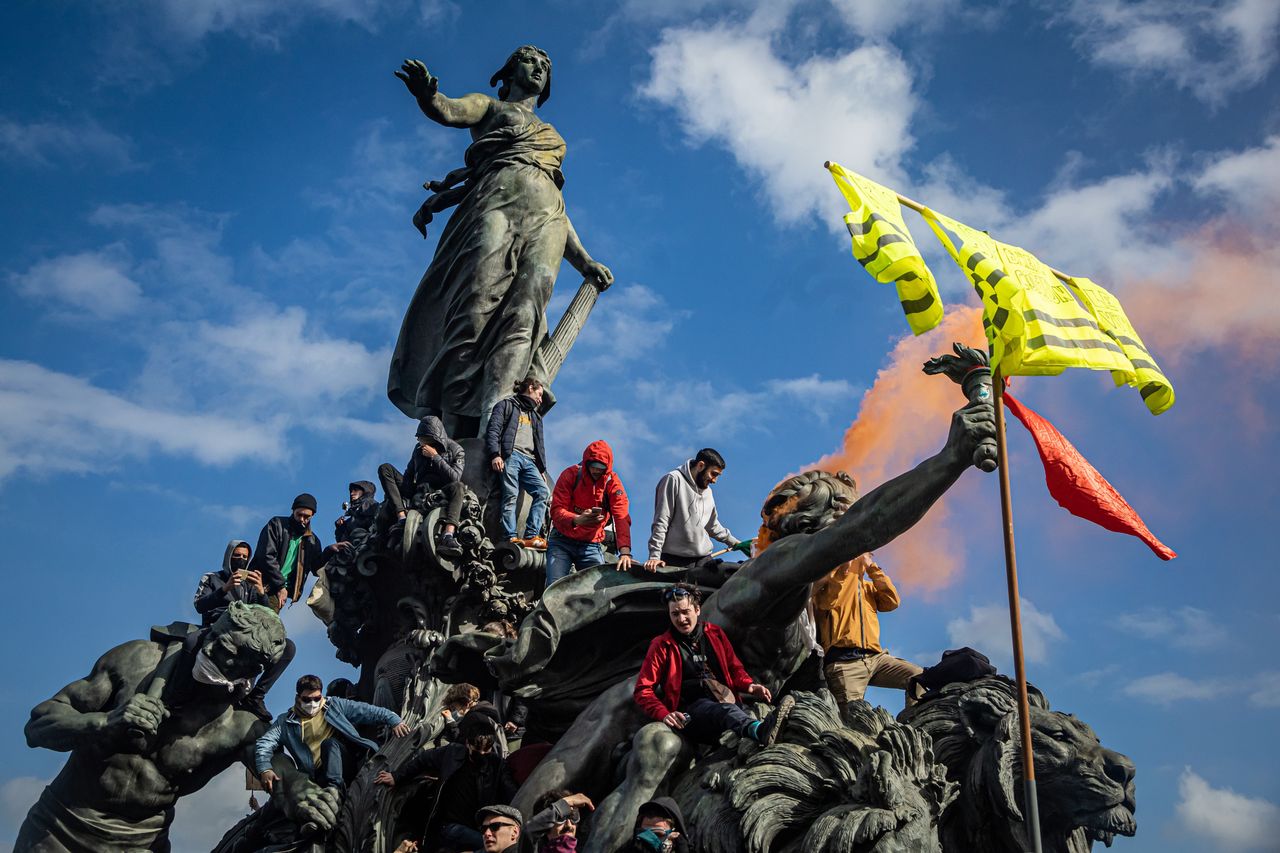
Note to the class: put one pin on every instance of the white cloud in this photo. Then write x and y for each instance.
(95, 283)
(880, 18)
(52, 422)
(71, 143)
(274, 354)
(17, 796)
(1265, 690)
(1185, 627)
(1249, 180)
(781, 122)
(1211, 49)
(1166, 688)
(263, 20)
(201, 819)
(987, 630)
(1226, 819)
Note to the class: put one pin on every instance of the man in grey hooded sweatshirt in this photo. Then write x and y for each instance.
(684, 514)
(235, 581)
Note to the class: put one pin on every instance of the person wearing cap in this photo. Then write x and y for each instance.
(288, 550)
(691, 678)
(500, 828)
(436, 464)
(659, 828)
(587, 497)
(470, 773)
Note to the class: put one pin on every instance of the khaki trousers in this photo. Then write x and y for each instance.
(848, 680)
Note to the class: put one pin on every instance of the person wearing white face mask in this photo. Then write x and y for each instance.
(320, 735)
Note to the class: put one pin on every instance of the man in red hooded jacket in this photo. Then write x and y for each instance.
(586, 498)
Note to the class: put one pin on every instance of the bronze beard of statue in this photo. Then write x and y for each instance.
(478, 316)
(135, 750)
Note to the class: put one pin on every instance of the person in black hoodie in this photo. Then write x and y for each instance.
(471, 773)
(235, 581)
(288, 550)
(436, 464)
(659, 829)
(514, 446)
(359, 513)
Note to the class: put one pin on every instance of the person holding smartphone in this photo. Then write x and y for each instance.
(587, 498)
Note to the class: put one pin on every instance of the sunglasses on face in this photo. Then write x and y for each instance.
(574, 817)
(495, 826)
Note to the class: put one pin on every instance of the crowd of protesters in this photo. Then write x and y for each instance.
(691, 680)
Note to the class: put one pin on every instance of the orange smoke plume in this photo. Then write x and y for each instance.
(902, 419)
(1229, 299)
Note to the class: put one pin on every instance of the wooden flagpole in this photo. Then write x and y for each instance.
(1030, 807)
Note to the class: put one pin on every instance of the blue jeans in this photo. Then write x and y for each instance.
(521, 472)
(565, 554)
(459, 837)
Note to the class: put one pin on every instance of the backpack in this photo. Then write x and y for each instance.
(957, 665)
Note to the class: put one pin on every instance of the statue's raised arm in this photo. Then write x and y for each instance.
(840, 531)
(467, 111)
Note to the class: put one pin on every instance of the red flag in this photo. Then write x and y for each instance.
(1077, 486)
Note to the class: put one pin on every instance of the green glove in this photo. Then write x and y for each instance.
(744, 546)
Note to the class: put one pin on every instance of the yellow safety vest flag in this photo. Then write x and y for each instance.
(1145, 374)
(883, 245)
(1033, 323)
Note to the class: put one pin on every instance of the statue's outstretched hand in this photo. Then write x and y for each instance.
(598, 274)
(970, 425)
(418, 80)
(140, 713)
(306, 803)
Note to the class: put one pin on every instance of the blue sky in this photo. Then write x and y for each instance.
(207, 251)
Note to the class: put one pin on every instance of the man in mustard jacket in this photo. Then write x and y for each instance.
(845, 604)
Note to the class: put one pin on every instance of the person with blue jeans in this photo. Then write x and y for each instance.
(587, 498)
(320, 735)
(514, 446)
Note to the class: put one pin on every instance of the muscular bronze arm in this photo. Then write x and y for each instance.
(874, 521)
(80, 715)
(467, 111)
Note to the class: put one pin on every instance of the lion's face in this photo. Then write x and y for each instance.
(1081, 783)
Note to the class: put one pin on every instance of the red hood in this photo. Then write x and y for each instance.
(599, 451)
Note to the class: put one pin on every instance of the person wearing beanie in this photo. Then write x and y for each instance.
(436, 464)
(288, 550)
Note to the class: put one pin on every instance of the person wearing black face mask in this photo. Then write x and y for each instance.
(235, 581)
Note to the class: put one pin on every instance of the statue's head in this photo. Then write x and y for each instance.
(529, 68)
(805, 503)
(1086, 791)
(245, 640)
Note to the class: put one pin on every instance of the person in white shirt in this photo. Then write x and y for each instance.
(684, 514)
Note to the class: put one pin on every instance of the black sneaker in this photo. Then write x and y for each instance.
(772, 725)
(257, 707)
(448, 546)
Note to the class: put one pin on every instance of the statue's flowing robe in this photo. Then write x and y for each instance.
(479, 313)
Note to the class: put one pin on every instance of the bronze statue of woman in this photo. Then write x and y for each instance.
(478, 317)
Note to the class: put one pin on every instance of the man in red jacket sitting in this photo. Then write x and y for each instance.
(586, 498)
(691, 678)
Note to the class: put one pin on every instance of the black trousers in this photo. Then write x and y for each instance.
(272, 673)
(393, 505)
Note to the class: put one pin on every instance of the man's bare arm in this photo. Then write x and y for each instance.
(79, 715)
(467, 111)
